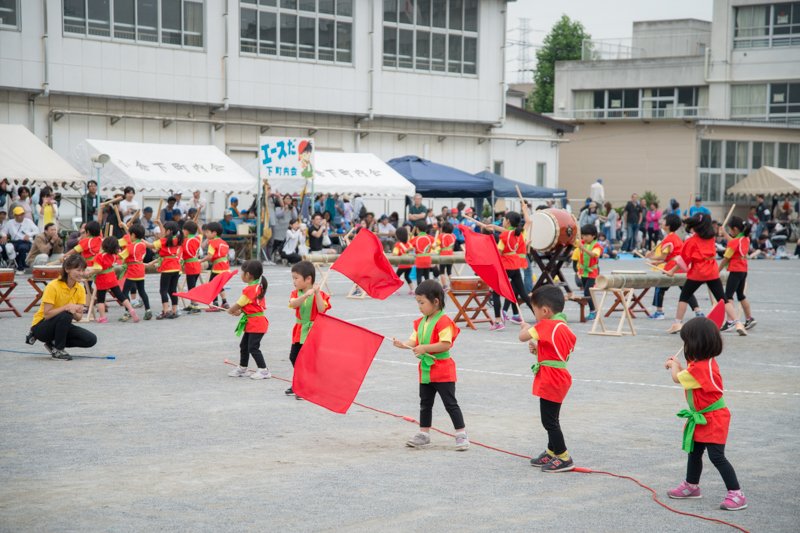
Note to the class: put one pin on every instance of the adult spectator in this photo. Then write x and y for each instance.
(673, 209)
(47, 247)
(763, 215)
(347, 220)
(417, 213)
(295, 236)
(234, 208)
(20, 232)
(5, 194)
(166, 214)
(228, 225)
(369, 222)
(7, 252)
(698, 207)
(62, 305)
(385, 230)
(24, 201)
(128, 206)
(319, 227)
(610, 220)
(633, 218)
(653, 225)
(90, 202)
(152, 231)
(199, 203)
(589, 215)
(284, 213)
(338, 216)
(180, 203)
(597, 192)
(359, 209)
(47, 207)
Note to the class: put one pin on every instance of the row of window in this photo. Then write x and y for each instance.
(8, 13)
(778, 102)
(662, 102)
(724, 163)
(767, 25)
(444, 14)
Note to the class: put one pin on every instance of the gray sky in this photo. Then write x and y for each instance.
(603, 19)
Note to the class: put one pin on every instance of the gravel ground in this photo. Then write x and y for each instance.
(162, 439)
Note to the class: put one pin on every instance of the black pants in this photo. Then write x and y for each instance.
(508, 304)
(423, 274)
(136, 285)
(22, 248)
(588, 283)
(716, 452)
(61, 333)
(168, 285)
(293, 353)
(191, 281)
(405, 272)
(115, 291)
(735, 285)
(291, 258)
(658, 298)
(689, 288)
(251, 345)
(446, 269)
(277, 246)
(549, 412)
(653, 236)
(447, 392)
(517, 283)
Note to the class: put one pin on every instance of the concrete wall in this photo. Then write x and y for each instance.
(670, 38)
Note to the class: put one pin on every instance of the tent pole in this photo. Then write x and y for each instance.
(259, 228)
(493, 207)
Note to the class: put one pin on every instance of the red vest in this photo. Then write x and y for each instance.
(443, 370)
(255, 324)
(738, 261)
(402, 248)
(107, 280)
(512, 256)
(423, 244)
(700, 256)
(189, 259)
(447, 242)
(556, 342)
(706, 373)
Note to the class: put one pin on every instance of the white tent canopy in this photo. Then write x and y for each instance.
(24, 157)
(164, 167)
(769, 181)
(347, 173)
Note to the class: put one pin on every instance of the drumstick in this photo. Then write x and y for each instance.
(728, 217)
(112, 201)
(158, 213)
(135, 217)
(119, 219)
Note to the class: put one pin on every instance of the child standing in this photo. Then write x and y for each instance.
(736, 262)
(106, 280)
(554, 342)
(707, 417)
(588, 253)
(402, 247)
(169, 249)
(423, 245)
(250, 308)
(308, 301)
(433, 336)
(218, 255)
(133, 256)
(446, 244)
(89, 244)
(189, 261)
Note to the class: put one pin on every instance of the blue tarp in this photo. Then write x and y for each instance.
(440, 181)
(505, 188)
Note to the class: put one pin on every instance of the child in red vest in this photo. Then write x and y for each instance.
(433, 336)
(736, 262)
(252, 323)
(707, 417)
(133, 261)
(90, 243)
(588, 252)
(106, 279)
(446, 243)
(189, 261)
(308, 301)
(423, 248)
(554, 342)
(218, 255)
(169, 251)
(402, 247)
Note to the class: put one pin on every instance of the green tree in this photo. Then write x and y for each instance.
(564, 42)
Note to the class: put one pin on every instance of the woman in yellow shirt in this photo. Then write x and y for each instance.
(62, 303)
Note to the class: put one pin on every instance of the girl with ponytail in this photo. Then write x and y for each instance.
(252, 323)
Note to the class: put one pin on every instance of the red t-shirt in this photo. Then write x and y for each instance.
(512, 250)
(170, 255)
(739, 247)
(423, 245)
(134, 258)
(706, 373)
(252, 302)
(402, 248)
(104, 261)
(191, 263)
(555, 343)
(447, 242)
(677, 245)
(89, 247)
(700, 256)
(298, 327)
(443, 370)
(218, 249)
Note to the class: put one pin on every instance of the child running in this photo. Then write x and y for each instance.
(106, 280)
(588, 252)
(252, 323)
(189, 261)
(402, 247)
(554, 342)
(169, 249)
(218, 255)
(133, 257)
(431, 340)
(308, 301)
(707, 417)
(736, 262)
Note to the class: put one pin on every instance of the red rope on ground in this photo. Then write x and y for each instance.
(580, 470)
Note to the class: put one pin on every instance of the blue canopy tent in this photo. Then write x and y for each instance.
(440, 181)
(507, 188)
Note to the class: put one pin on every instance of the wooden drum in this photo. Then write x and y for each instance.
(7, 275)
(467, 283)
(46, 272)
(552, 228)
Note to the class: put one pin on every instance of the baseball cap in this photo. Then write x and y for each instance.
(148, 209)
(19, 211)
(468, 210)
(234, 199)
(454, 211)
(698, 198)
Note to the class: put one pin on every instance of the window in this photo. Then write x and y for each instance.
(767, 25)
(789, 155)
(298, 29)
(776, 102)
(709, 154)
(748, 101)
(497, 168)
(736, 154)
(784, 100)
(431, 35)
(763, 155)
(541, 174)
(667, 102)
(171, 22)
(9, 14)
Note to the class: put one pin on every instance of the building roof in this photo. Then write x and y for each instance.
(538, 118)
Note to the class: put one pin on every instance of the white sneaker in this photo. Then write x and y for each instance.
(136, 303)
(261, 373)
(462, 442)
(238, 372)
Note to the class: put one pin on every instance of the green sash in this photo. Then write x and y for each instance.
(587, 259)
(219, 260)
(244, 316)
(552, 363)
(694, 417)
(305, 316)
(426, 360)
(106, 271)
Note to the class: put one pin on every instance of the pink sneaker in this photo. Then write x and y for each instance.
(685, 491)
(734, 501)
(497, 326)
(102, 320)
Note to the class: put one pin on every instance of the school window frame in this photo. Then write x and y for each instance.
(775, 28)
(652, 103)
(777, 101)
(498, 167)
(295, 29)
(439, 37)
(541, 173)
(10, 9)
(140, 22)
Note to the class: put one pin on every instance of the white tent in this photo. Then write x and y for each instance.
(347, 173)
(164, 167)
(24, 157)
(769, 181)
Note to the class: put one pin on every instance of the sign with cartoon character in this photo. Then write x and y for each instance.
(286, 157)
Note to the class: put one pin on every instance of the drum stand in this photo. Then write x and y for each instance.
(555, 259)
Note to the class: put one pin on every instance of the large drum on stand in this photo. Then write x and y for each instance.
(7, 275)
(46, 272)
(552, 228)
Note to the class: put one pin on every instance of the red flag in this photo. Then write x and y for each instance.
(366, 265)
(717, 313)
(206, 292)
(484, 258)
(333, 362)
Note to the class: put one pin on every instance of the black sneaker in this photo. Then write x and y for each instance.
(30, 338)
(288, 392)
(749, 323)
(558, 465)
(61, 354)
(49, 348)
(543, 459)
(727, 326)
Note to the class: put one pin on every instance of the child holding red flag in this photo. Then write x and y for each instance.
(736, 262)
(708, 418)
(588, 252)
(402, 247)
(433, 336)
(106, 279)
(218, 255)
(308, 301)
(133, 261)
(189, 261)
(551, 382)
(252, 323)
